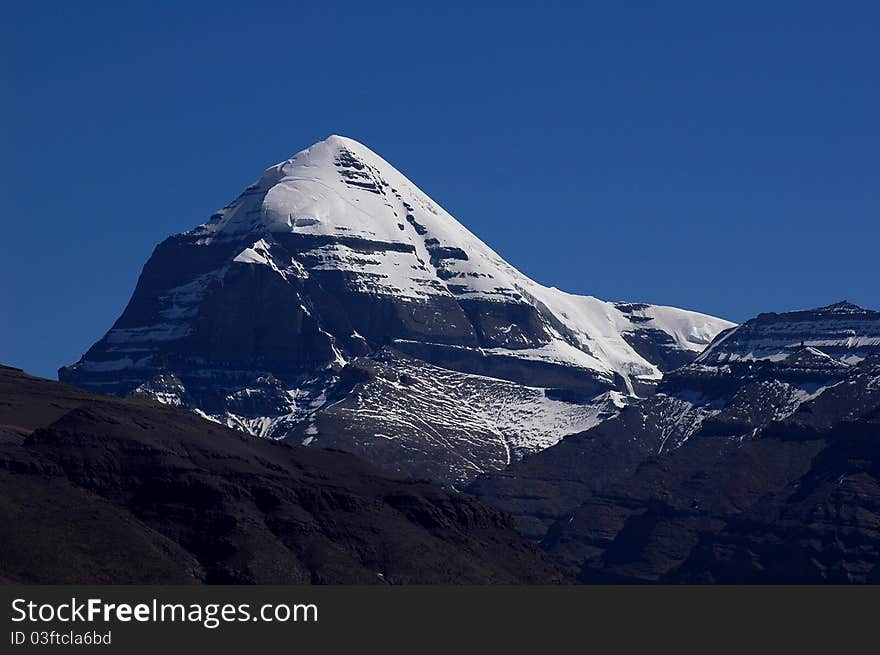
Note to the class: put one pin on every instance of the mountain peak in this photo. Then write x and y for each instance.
(842, 307)
(341, 141)
(331, 146)
(843, 331)
(336, 187)
(292, 293)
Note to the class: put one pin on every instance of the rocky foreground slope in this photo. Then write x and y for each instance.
(334, 303)
(95, 489)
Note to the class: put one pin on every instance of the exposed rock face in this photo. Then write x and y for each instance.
(102, 490)
(333, 260)
(402, 414)
(758, 468)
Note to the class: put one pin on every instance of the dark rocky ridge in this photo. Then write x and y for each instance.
(101, 490)
(735, 471)
(797, 503)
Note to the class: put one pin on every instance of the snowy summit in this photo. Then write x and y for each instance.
(333, 262)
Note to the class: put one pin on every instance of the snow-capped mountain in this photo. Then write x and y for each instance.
(841, 331)
(334, 303)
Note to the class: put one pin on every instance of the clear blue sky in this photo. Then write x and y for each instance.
(719, 158)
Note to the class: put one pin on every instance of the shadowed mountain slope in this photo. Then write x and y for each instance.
(95, 489)
(758, 462)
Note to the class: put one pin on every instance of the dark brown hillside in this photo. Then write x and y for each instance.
(98, 489)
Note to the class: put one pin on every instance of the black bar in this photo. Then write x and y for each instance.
(464, 619)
